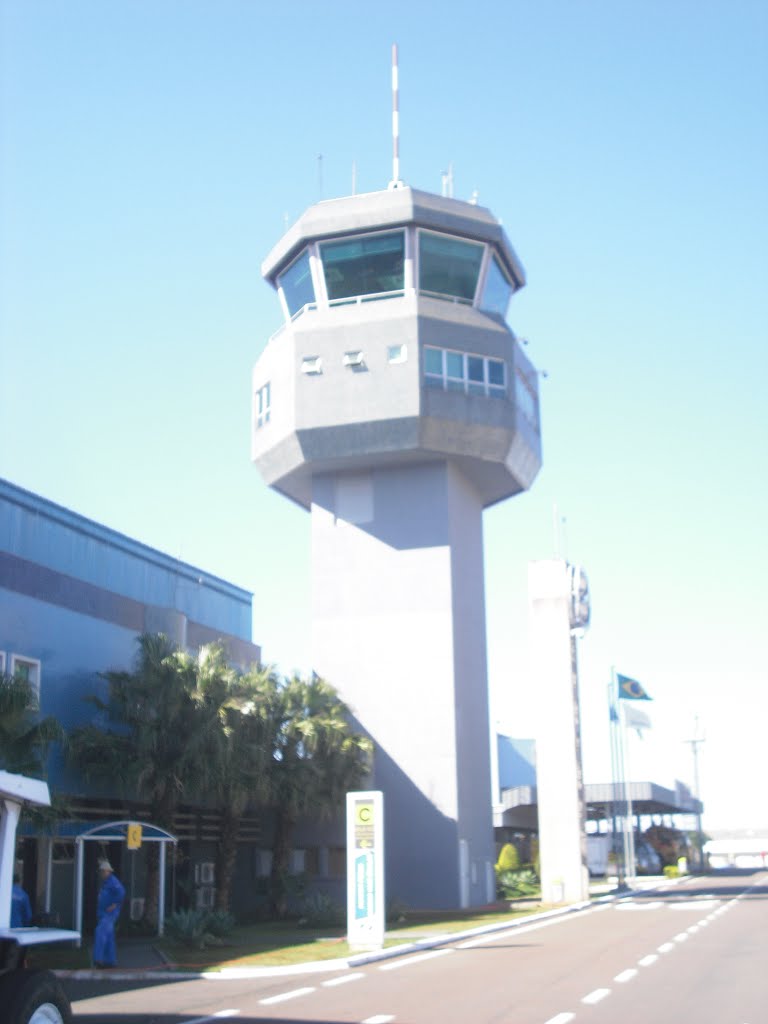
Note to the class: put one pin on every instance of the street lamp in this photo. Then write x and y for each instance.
(695, 742)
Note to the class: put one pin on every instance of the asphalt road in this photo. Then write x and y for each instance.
(696, 951)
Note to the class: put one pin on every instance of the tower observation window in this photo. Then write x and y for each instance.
(497, 290)
(364, 266)
(296, 284)
(449, 370)
(449, 266)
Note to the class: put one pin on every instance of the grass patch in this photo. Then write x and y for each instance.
(284, 943)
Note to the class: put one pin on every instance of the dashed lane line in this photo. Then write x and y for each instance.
(215, 1016)
(561, 1018)
(665, 947)
(343, 979)
(285, 996)
(628, 975)
(417, 959)
(379, 1018)
(596, 996)
(648, 961)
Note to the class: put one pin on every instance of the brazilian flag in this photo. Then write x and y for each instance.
(630, 689)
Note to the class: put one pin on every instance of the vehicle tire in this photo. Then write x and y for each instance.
(33, 997)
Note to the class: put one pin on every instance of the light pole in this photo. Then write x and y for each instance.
(695, 743)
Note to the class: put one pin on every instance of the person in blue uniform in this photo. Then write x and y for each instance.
(111, 896)
(21, 909)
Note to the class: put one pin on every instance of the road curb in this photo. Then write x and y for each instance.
(358, 959)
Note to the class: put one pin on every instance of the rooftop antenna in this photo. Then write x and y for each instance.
(396, 182)
(447, 179)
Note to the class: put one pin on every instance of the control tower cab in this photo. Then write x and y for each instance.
(396, 404)
(395, 347)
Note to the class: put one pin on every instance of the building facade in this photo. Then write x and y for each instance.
(74, 597)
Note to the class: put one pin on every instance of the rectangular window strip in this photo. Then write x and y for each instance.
(448, 370)
(525, 398)
(27, 669)
(262, 405)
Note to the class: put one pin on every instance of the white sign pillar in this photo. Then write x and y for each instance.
(365, 870)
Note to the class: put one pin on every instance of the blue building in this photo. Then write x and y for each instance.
(74, 597)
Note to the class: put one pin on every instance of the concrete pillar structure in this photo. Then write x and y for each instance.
(396, 404)
(559, 780)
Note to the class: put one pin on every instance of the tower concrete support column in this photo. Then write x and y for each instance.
(398, 619)
(559, 782)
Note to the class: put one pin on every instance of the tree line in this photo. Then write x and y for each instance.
(191, 728)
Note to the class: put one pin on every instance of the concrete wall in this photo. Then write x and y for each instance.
(561, 808)
(399, 629)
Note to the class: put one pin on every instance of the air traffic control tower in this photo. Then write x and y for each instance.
(396, 404)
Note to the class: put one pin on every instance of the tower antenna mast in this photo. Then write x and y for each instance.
(396, 182)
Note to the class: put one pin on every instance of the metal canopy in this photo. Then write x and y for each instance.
(117, 831)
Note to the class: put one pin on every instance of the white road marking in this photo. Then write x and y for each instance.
(284, 996)
(561, 1018)
(692, 904)
(693, 929)
(596, 996)
(342, 979)
(216, 1016)
(628, 975)
(380, 1018)
(629, 905)
(648, 960)
(419, 958)
(681, 937)
(666, 947)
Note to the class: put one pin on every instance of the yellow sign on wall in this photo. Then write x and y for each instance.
(133, 840)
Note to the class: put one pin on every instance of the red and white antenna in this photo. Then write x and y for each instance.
(396, 182)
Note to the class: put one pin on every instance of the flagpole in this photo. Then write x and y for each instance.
(613, 715)
(630, 830)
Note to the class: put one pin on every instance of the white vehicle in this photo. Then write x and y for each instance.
(27, 996)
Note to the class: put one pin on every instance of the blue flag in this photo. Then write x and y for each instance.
(630, 689)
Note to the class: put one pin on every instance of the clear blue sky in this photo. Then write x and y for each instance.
(153, 151)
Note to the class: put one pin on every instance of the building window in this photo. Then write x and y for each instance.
(448, 370)
(2, 662)
(449, 266)
(296, 284)
(262, 400)
(27, 669)
(312, 365)
(497, 290)
(369, 265)
(397, 354)
(525, 398)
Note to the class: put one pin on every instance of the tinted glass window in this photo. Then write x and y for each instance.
(433, 361)
(496, 291)
(363, 266)
(454, 365)
(496, 372)
(296, 283)
(449, 266)
(475, 370)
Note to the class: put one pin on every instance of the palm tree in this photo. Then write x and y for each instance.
(158, 745)
(316, 760)
(238, 754)
(25, 738)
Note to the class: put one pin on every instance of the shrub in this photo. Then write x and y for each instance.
(512, 885)
(319, 909)
(671, 871)
(199, 928)
(509, 859)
